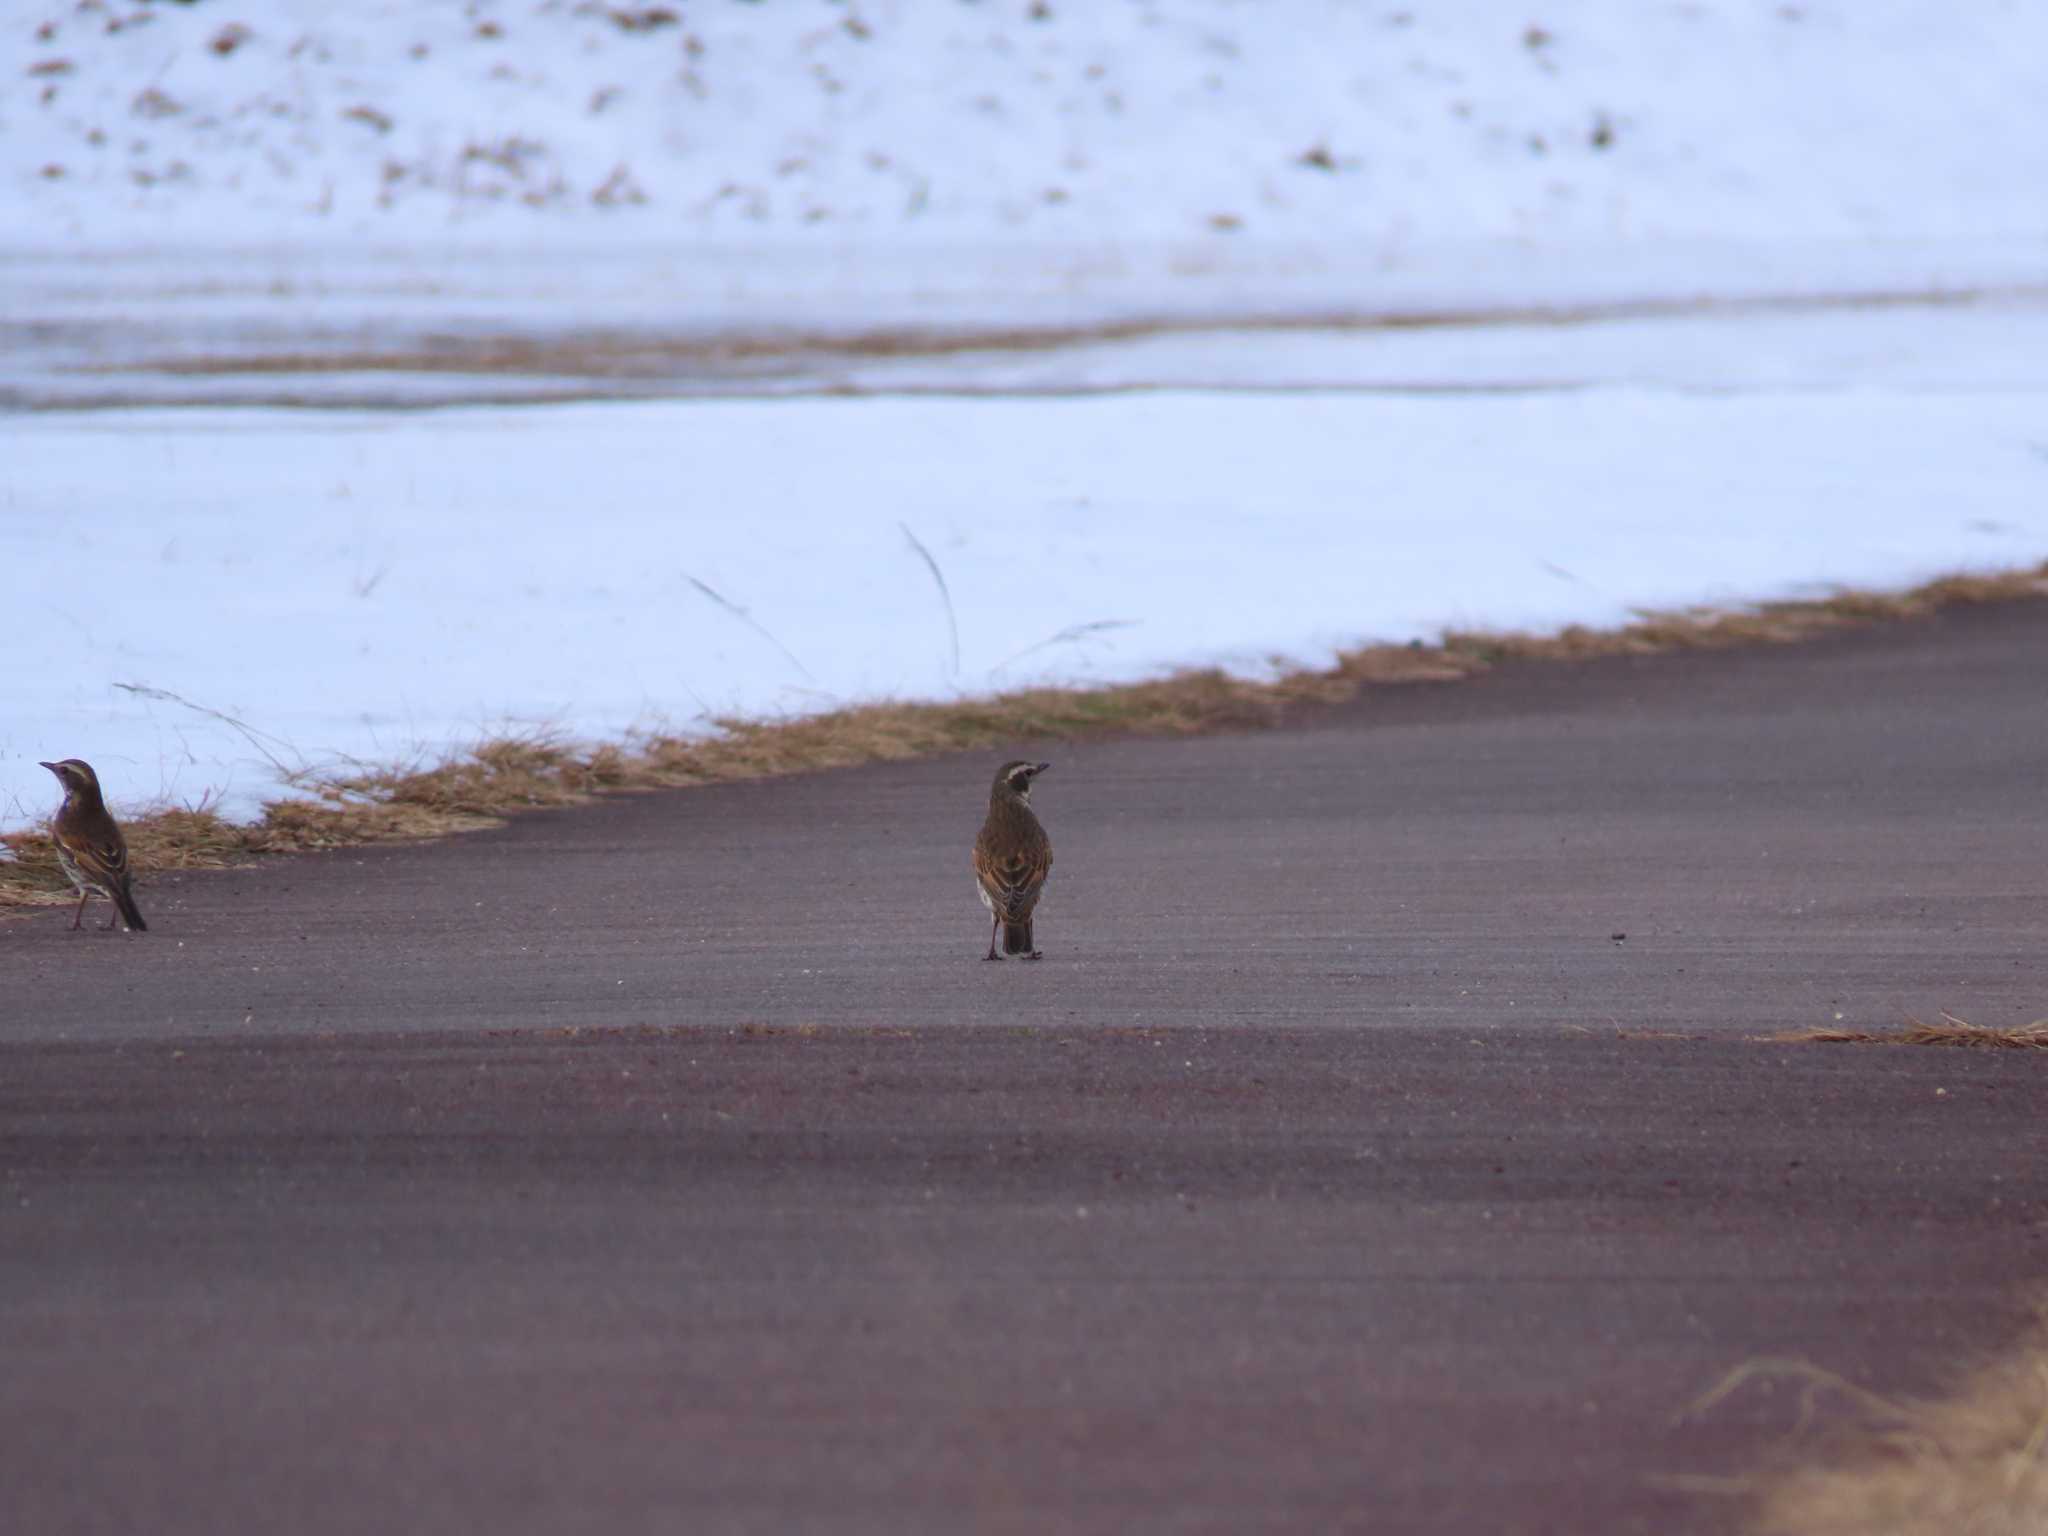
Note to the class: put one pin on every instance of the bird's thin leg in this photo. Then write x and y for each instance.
(995, 925)
(78, 916)
(113, 917)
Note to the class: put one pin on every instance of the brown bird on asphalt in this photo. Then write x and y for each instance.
(90, 845)
(1012, 857)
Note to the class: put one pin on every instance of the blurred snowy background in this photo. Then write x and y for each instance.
(1175, 333)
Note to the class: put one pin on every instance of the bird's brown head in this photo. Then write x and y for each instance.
(77, 777)
(1016, 777)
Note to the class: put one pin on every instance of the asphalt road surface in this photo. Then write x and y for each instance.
(1385, 1144)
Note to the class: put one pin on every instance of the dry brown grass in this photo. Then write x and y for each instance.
(509, 775)
(166, 837)
(1971, 1462)
(605, 354)
(1949, 1031)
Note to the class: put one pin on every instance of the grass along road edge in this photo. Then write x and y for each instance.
(502, 777)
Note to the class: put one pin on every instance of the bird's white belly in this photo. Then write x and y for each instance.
(77, 876)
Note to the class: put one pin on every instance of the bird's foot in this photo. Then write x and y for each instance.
(991, 955)
(1036, 954)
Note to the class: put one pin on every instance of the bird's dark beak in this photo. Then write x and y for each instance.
(1041, 767)
(51, 766)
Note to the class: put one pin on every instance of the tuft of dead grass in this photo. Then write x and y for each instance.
(505, 776)
(1950, 1030)
(1972, 1462)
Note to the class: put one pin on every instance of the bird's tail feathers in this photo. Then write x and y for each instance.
(130, 913)
(1017, 938)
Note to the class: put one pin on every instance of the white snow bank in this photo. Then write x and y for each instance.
(374, 585)
(841, 165)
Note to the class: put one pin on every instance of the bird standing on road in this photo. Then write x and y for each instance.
(1012, 857)
(89, 844)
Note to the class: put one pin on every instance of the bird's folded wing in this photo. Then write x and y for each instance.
(102, 859)
(1012, 879)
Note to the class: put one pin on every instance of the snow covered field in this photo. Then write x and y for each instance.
(1729, 301)
(840, 164)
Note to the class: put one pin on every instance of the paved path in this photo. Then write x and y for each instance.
(674, 1163)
